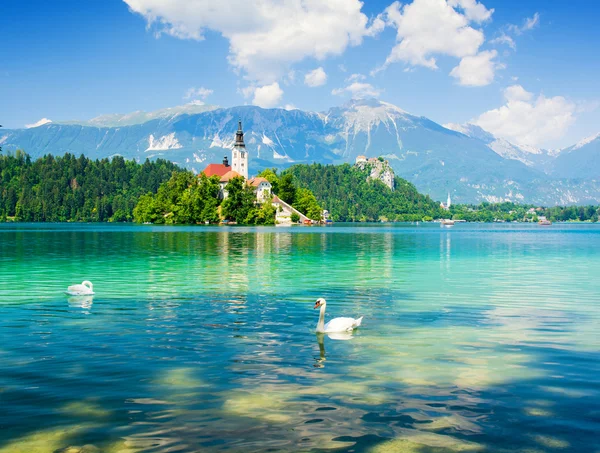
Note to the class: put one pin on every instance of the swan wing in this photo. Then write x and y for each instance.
(78, 287)
(79, 290)
(342, 324)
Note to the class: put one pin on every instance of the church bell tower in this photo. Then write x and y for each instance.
(239, 158)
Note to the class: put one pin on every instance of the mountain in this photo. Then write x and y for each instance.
(531, 156)
(139, 116)
(436, 159)
(579, 161)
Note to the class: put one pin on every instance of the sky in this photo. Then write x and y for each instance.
(525, 70)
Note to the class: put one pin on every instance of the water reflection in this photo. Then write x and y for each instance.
(336, 336)
(203, 341)
(84, 302)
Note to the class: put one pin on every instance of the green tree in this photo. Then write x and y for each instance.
(287, 189)
(307, 204)
(239, 202)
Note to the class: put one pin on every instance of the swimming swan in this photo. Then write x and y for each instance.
(84, 289)
(336, 324)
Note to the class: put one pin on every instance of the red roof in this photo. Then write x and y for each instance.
(216, 169)
(229, 175)
(256, 181)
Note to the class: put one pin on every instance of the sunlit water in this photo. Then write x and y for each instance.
(201, 339)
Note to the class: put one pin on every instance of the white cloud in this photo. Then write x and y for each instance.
(315, 78)
(356, 78)
(265, 36)
(290, 78)
(517, 93)
(476, 70)
(473, 10)
(529, 24)
(268, 96)
(358, 90)
(505, 39)
(426, 28)
(38, 123)
(289, 107)
(198, 93)
(529, 120)
(247, 91)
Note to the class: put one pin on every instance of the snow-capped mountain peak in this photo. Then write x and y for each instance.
(529, 155)
(472, 130)
(38, 123)
(585, 141)
(140, 116)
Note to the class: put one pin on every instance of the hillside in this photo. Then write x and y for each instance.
(349, 194)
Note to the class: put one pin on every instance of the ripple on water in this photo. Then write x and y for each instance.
(483, 338)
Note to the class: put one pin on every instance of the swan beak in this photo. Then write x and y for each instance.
(317, 305)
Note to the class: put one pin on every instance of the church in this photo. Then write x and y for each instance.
(238, 167)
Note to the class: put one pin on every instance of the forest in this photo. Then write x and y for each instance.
(349, 196)
(69, 188)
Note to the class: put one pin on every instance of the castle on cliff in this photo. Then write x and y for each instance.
(380, 169)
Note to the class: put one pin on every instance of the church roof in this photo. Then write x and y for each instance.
(230, 175)
(216, 169)
(256, 181)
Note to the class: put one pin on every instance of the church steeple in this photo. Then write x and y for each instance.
(239, 136)
(239, 155)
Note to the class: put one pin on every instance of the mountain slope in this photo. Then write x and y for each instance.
(531, 156)
(437, 160)
(580, 161)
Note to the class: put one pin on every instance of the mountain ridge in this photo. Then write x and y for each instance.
(435, 158)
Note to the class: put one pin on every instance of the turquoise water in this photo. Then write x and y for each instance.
(201, 339)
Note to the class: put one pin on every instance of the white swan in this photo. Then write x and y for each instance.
(336, 324)
(84, 289)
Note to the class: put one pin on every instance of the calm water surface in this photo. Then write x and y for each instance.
(475, 338)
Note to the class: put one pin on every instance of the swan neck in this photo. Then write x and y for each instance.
(321, 323)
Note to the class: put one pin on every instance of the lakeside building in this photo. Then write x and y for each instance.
(262, 187)
(238, 168)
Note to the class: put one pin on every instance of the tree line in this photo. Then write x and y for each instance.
(69, 188)
(512, 212)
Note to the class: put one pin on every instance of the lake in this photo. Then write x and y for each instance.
(202, 339)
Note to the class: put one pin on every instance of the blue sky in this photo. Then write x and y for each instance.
(525, 70)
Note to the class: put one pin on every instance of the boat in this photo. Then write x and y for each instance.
(447, 222)
(544, 222)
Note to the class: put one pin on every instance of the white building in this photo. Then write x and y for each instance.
(239, 158)
(262, 188)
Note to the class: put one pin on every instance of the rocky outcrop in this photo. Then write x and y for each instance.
(379, 169)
